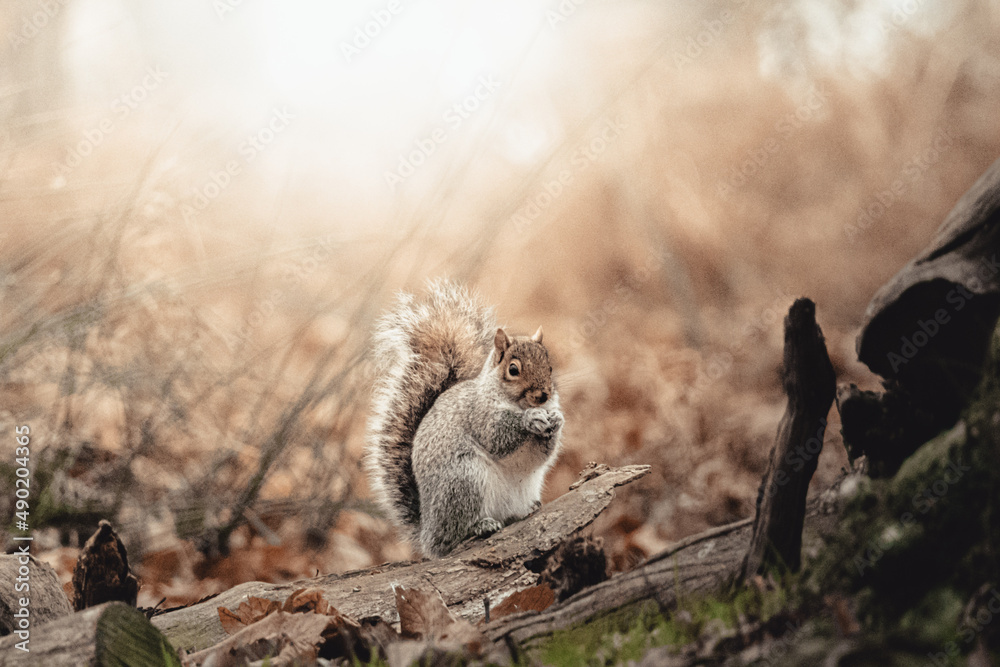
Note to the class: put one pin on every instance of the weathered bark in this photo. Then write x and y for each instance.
(102, 573)
(927, 332)
(505, 563)
(699, 564)
(961, 254)
(810, 385)
(502, 564)
(45, 596)
(110, 634)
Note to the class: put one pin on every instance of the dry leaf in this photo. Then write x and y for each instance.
(308, 599)
(247, 613)
(423, 615)
(303, 600)
(303, 627)
(536, 598)
(231, 622)
(377, 633)
(290, 637)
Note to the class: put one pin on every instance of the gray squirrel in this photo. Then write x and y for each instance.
(465, 419)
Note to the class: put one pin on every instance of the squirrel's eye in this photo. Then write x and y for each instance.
(513, 370)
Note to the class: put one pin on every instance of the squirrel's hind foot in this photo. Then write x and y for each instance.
(485, 527)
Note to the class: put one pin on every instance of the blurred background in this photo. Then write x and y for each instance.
(204, 205)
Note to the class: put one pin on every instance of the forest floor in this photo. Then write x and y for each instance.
(189, 350)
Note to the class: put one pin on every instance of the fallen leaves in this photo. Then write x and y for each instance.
(306, 626)
(248, 613)
(423, 615)
(303, 627)
(304, 600)
(281, 636)
(536, 598)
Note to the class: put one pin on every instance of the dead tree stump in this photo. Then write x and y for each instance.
(927, 332)
(810, 384)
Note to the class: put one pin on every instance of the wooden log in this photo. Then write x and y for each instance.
(962, 254)
(702, 563)
(110, 634)
(40, 588)
(502, 564)
(927, 331)
(810, 385)
(699, 564)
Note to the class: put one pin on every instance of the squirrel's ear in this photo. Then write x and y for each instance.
(500, 344)
(538, 335)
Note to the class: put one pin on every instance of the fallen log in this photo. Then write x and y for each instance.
(926, 331)
(708, 562)
(109, 634)
(29, 587)
(506, 562)
(702, 564)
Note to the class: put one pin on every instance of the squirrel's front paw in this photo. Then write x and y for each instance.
(485, 527)
(542, 422)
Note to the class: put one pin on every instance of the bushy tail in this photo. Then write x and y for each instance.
(421, 348)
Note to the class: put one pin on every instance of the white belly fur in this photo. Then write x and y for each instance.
(512, 486)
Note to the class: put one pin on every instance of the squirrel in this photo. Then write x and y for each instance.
(465, 419)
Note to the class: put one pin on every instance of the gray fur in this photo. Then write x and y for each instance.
(454, 450)
(420, 350)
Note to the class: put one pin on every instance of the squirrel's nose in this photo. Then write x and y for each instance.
(542, 397)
